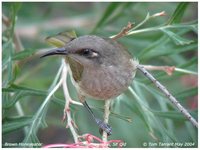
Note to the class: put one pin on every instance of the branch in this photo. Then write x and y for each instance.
(123, 32)
(160, 28)
(106, 118)
(168, 95)
(129, 28)
(168, 69)
(68, 99)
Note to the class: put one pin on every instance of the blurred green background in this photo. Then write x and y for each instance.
(152, 118)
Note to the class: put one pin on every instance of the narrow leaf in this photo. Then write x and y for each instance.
(13, 88)
(187, 93)
(108, 12)
(18, 93)
(12, 124)
(178, 40)
(174, 115)
(12, 100)
(170, 114)
(16, 6)
(178, 13)
(23, 54)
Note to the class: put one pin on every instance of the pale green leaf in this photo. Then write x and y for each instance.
(178, 40)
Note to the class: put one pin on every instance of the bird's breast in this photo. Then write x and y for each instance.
(106, 82)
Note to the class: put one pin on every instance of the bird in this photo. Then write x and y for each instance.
(101, 68)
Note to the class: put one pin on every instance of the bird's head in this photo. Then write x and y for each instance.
(90, 51)
(93, 53)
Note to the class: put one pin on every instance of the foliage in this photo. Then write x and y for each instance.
(141, 114)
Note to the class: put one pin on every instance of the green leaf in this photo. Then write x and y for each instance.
(170, 114)
(19, 92)
(13, 88)
(192, 132)
(160, 51)
(7, 62)
(14, 123)
(23, 54)
(112, 7)
(195, 28)
(15, 72)
(178, 13)
(18, 95)
(6, 53)
(16, 6)
(187, 93)
(5, 99)
(10, 72)
(14, 10)
(6, 103)
(178, 40)
(151, 47)
(174, 115)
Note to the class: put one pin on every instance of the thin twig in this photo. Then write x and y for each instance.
(67, 103)
(129, 28)
(160, 28)
(106, 118)
(168, 95)
(168, 69)
(123, 32)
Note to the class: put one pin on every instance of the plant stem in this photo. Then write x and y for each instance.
(159, 28)
(186, 71)
(168, 95)
(20, 111)
(67, 103)
(106, 118)
(143, 22)
(168, 69)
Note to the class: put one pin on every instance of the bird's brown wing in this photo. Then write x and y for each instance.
(61, 39)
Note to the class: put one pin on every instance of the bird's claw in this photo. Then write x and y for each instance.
(104, 127)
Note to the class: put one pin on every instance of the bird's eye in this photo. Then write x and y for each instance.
(88, 53)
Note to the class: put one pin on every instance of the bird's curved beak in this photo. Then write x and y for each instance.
(56, 51)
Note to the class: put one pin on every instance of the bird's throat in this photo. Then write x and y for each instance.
(76, 68)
